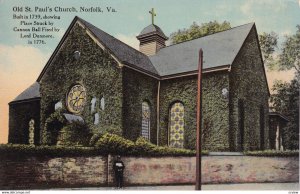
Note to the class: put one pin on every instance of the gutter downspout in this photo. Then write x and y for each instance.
(157, 113)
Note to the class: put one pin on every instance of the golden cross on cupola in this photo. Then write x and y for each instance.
(153, 14)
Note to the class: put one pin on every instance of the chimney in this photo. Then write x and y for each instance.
(152, 39)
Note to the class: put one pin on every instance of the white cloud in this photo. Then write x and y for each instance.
(274, 5)
(131, 40)
(141, 18)
(245, 8)
(294, 1)
(219, 11)
(267, 14)
(286, 33)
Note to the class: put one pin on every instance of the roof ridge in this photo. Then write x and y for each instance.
(29, 92)
(208, 35)
(135, 50)
(111, 35)
(183, 57)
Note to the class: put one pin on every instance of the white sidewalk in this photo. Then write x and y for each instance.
(246, 186)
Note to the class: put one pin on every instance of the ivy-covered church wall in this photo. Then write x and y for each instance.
(215, 111)
(137, 88)
(248, 84)
(19, 116)
(96, 70)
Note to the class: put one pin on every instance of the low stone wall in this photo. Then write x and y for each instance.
(166, 170)
(250, 169)
(45, 172)
(215, 169)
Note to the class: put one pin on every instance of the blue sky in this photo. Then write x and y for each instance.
(20, 63)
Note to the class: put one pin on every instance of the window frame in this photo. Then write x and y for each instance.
(170, 120)
(149, 120)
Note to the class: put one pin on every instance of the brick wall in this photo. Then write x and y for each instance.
(46, 172)
(215, 169)
(249, 169)
(165, 170)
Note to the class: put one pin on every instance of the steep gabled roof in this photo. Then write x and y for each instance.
(31, 92)
(219, 49)
(122, 51)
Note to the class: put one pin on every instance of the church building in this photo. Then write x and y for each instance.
(96, 79)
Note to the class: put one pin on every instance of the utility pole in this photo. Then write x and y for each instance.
(199, 106)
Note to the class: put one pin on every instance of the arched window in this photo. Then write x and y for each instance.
(93, 104)
(102, 103)
(146, 120)
(176, 125)
(96, 119)
(58, 105)
(31, 132)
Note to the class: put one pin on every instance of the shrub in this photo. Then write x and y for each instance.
(143, 147)
(106, 144)
(75, 134)
(113, 129)
(274, 153)
(53, 125)
(57, 151)
(167, 151)
(114, 144)
(94, 139)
